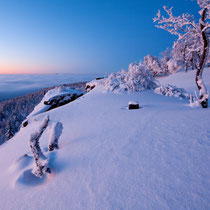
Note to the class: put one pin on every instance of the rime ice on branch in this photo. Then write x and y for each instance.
(41, 162)
(55, 133)
(193, 36)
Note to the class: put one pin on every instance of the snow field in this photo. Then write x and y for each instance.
(155, 157)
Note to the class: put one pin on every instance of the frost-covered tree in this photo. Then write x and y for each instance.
(185, 56)
(165, 57)
(168, 62)
(10, 131)
(173, 65)
(153, 64)
(208, 59)
(194, 35)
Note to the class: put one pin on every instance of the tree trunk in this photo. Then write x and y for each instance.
(185, 59)
(193, 60)
(186, 66)
(198, 79)
(191, 63)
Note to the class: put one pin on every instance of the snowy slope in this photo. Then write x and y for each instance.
(110, 157)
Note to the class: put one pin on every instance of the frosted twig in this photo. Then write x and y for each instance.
(39, 158)
(55, 133)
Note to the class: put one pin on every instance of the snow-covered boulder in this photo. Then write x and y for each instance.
(172, 91)
(56, 97)
(60, 100)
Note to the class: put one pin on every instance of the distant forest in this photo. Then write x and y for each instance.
(14, 111)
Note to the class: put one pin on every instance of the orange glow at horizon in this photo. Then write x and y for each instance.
(27, 69)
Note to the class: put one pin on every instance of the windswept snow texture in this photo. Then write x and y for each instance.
(109, 157)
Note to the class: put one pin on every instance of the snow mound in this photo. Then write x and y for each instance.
(172, 91)
(20, 163)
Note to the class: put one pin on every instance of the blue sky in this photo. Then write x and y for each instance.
(81, 36)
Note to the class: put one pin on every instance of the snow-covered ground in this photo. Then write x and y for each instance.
(109, 157)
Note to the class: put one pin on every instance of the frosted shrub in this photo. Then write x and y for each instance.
(172, 91)
(115, 82)
(137, 78)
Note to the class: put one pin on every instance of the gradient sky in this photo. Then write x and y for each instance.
(81, 36)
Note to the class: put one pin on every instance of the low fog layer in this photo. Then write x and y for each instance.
(17, 85)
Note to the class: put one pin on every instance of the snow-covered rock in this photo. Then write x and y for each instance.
(56, 97)
(92, 84)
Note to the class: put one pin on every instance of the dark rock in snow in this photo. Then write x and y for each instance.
(25, 123)
(89, 88)
(98, 78)
(204, 104)
(91, 85)
(52, 147)
(133, 105)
